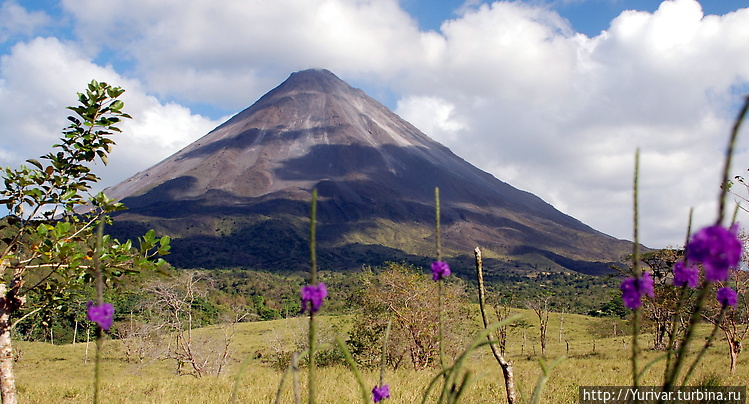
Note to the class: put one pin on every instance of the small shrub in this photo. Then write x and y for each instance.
(328, 357)
(710, 380)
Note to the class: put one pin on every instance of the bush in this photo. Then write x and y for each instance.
(408, 297)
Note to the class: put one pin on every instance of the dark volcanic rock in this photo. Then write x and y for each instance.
(239, 196)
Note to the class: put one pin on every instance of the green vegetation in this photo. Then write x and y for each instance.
(570, 292)
(401, 294)
(49, 252)
(59, 373)
(137, 369)
(262, 295)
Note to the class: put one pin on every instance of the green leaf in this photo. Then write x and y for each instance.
(70, 194)
(117, 105)
(150, 236)
(35, 163)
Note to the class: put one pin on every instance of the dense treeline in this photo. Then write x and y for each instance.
(251, 295)
(568, 292)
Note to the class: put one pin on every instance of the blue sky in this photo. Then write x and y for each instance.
(588, 17)
(551, 96)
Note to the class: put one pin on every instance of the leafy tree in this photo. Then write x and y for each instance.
(573, 292)
(46, 246)
(613, 308)
(667, 312)
(663, 310)
(408, 297)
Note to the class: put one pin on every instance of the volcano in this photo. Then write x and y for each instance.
(239, 197)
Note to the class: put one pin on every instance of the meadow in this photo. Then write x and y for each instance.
(59, 373)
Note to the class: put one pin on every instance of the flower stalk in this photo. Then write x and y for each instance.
(679, 307)
(438, 272)
(382, 390)
(355, 369)
(100, 303)
(637, 274)
(313, 294)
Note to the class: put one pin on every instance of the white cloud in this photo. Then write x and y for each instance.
(561, 114)
(234, 53)
(508, 50)
(40, 78)
(432, 115)
(156, 132)
(15, 20)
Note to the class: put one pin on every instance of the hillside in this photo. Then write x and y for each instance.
(239, 196)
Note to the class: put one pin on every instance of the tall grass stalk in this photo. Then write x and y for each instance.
(295, 377)
(100, 302)
(688, 336)
(636, 265)
(708, 343)
(724, 309)
(545, 375)
(439, 282)
(242, 370)
(456, 381)
(682, 300)
(383, 359)
(312, 281)
(354, 369)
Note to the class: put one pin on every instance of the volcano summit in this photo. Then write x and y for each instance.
(239, 196)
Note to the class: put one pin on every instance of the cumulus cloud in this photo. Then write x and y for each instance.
(234, 53)
(509, 86)
(41, 77)
(16, 20)
(432, 115)
(561, 114)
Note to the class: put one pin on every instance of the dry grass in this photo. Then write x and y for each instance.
(58, 374)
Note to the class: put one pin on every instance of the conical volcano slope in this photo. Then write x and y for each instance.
(239, 196)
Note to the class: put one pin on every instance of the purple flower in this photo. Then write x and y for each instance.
(101, 315)
(727, 297)
(634, 288)
(718, 249)
(686, 274)
(440, 270)
(314, 295)
(380, 393)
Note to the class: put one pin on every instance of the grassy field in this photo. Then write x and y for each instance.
(59, 374)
